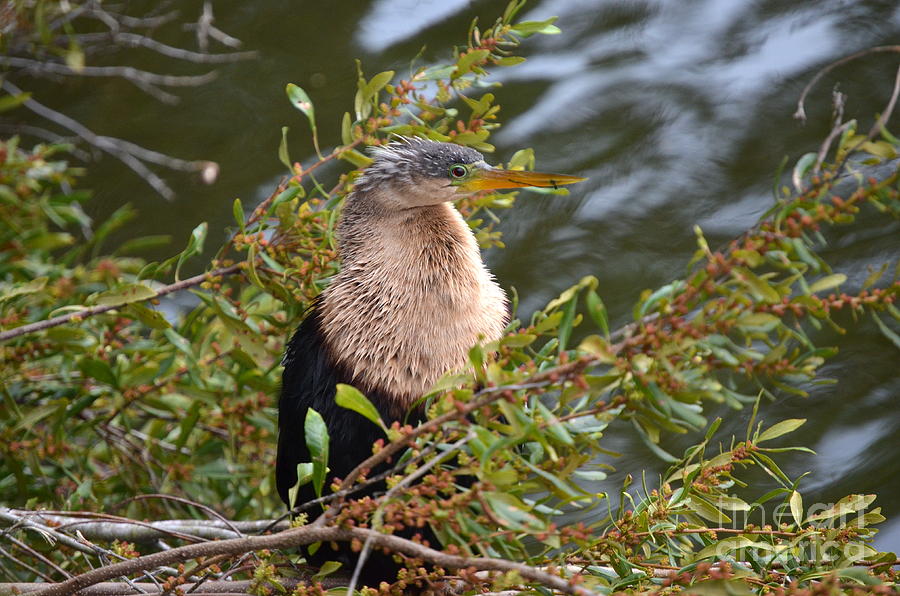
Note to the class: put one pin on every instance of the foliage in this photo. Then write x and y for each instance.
(103, 374)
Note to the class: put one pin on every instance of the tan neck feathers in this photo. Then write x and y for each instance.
(412, 297)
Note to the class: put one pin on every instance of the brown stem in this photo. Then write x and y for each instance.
(800, 114)
(484, 397)
(96, 310)
(301, 536)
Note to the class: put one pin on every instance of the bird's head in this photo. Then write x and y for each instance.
(414, 172)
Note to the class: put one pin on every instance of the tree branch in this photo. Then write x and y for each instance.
(302, 536)
(129, 73)
(135, 40)
(96, 310)
(800, 114)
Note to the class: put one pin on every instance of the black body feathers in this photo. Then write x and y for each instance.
(309, 381)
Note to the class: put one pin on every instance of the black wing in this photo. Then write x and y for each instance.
(309, 381)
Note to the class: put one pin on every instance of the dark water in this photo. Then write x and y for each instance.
(679, 112)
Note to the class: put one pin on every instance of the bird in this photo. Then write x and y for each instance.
(412, 297)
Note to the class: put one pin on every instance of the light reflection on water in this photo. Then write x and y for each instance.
(679, 112)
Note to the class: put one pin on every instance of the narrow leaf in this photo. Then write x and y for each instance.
(351, 398)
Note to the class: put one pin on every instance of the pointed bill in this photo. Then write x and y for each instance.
(493, 178)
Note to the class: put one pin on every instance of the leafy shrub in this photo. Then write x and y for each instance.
(112, 395)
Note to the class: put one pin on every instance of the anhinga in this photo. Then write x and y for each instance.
(412, 297)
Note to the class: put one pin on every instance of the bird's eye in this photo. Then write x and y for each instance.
(458, 171)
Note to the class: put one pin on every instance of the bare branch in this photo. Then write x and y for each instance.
(95, 526)
(800, 114)
(879, 124)
(129, 73)
(212, 587)
(129, 153)
(209, 510)
(205, 30)
(37, 573)
(21, 519)
(302, 536)
(145, 22)
(135, 40)
(107, 144)
(96, 310)
(15, 128)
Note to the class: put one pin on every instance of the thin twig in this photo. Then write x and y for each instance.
(15, 128)
(208, 510)
(33, 553)
(37, 572)
(484, 397)
(800, 114)
(878, 126)
(307, 535)
(135, 40)
(130, 73)
(96, 310)
(418, 473)
(103, 143)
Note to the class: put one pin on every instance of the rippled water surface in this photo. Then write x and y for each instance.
(679, 112)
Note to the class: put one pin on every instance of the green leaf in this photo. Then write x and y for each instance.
(513, 513)
(529, 28)
(35, 285)
(523, 159)
(859, 575)
(827, 282)
(847, 505)
(317, 443)
(356, 158)
(760, 288)
(351, 398)
(759, 322)
(327, 569)
(720, 548)
(304, 475)
(148, 316)
(283, 154)
(519, 340)
(468, 61)
(194, 247)
(182, 344)
(300, 100)
(597, 311)
(886, 331)
(377, 83)
(782, 428)
(368, 91)
(8, 102)
(346, 129)
(237, 210)
(796, 503)
(125, 294)
(802, 167)
(286, 195)
(706, 510)
(187, 424)
(565, 327)
(99, 370)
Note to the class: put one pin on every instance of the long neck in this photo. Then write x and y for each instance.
(412, 297)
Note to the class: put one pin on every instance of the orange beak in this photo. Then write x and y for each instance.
(492, 178)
